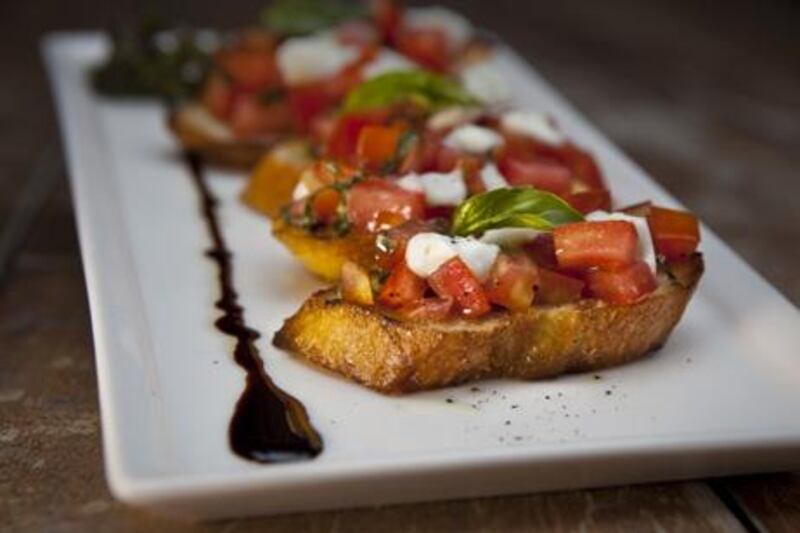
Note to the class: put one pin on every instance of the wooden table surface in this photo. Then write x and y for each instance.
(705, 97)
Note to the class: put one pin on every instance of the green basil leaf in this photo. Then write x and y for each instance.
(519, 207)
(298, 17)
(428, 90)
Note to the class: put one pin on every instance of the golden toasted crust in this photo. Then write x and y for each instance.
(398, 357)
(199, 132)
(275, 177)
(324, 256)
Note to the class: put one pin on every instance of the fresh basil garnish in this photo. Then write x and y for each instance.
(428, 90)
(298, 17)
(519, 207)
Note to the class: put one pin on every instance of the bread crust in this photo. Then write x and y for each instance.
(324, 256)
(199, 132)
(390, 356)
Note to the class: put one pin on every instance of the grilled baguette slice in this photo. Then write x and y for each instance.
(397, 357)
(199, 131)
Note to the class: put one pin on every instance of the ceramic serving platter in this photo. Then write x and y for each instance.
(722, 396)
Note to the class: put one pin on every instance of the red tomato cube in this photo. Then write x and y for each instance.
(402, 288)
(676, 234)
(595, 244)
(454, 280)
(622, 285)
(512, 282)
(371, 197)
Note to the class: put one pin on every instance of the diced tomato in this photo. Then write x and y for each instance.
(595, 244)
(344, 139)
(544, 175)
(355, 284)
(473, 181)
(426, 46)
(387, 15)
(588, 201)
(543, 251)
(251, 118)
(675, 233)
(309, 101)
(377, 146)
(454, 280)
(583, 166)
(403, 287)
(325, 205)
(217, 96)
(447, 158)
(326, 172)
(555, 288)
(251, 70)
(512, 282)
(427, 309)
(369, 198)
(622, 285)
(321, 129)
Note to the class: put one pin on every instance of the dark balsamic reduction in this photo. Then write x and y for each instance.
(268, 425)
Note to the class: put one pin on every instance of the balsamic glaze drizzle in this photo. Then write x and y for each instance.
(268, 424)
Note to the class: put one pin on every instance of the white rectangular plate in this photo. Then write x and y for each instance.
(722, 397)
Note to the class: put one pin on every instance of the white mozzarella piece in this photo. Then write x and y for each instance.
(387, 60)
(444, 189)
(300, 191)
(478, 256)
(457, 27)
(531, 124)
(484, 81)
(646, 251)
(451, 117)
(473, 139)
(306, 59)
(491, 177)
(510, 236)
(426, 252)
(411, 182)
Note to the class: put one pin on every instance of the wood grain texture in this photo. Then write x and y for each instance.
(706, 98)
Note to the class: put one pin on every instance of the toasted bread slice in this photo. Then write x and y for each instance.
(391, 356)
(275, 177)
(324, 256)
(199, 131)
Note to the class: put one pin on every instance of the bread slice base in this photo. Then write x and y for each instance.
(199, 131)
(391, 356)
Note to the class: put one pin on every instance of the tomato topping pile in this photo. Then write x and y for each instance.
(589, 259)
